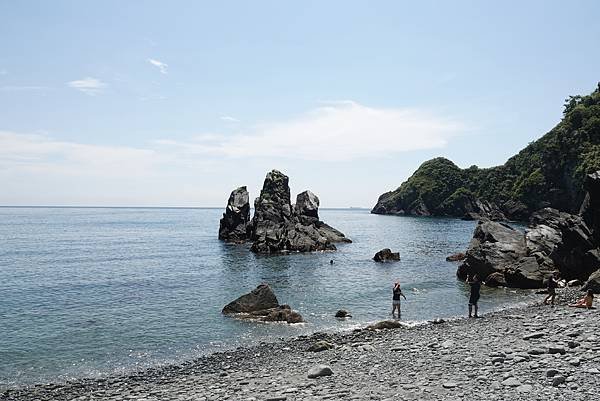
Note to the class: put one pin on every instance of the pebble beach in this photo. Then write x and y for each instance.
(537, 352)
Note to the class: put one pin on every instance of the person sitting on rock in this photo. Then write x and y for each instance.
(552, 285)
(585, 302)
(397, 293)
(475, 284)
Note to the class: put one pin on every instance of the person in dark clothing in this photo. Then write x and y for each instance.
(475, 284)
(397, 293)
(552, 286)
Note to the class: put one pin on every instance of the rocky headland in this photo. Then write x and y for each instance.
(278, 226)
(531, 353)
(547, 173)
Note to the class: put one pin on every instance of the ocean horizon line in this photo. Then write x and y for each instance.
(147, 207)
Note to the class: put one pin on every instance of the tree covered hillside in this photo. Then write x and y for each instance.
(548, 172)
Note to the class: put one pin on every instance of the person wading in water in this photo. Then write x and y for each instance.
(474, 298)
(397, 293)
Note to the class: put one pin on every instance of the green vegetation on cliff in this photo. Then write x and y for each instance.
(548, 172)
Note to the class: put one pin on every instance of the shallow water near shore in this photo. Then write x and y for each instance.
(100, 291)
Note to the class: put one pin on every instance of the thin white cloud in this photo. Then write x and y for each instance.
(38, 169)
(39, 152)
(160, 65)
(341, 130)
(229, 119)
(89, 86)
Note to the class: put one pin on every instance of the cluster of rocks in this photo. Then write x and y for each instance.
(556, 242)
(277, 226)
(262, 304)
(532, 353)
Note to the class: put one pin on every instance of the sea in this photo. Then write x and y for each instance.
(95, 292)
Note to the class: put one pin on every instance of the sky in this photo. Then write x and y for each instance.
(153, 103)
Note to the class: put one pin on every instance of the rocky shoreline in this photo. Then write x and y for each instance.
(536, 352)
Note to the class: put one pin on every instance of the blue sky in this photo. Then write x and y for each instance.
(176, 103)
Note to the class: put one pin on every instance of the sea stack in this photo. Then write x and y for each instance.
(235, 224)
(278, 226)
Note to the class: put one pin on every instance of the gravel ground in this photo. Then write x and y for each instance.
(533, 353)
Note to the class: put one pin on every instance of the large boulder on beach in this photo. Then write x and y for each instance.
(565, 242)
(319, 371)
(590, 208)
(494, 247)
(279, 227)
(235, 224)
(386, 255)
(498, 254)
(593, 283)
(260, 298)
(555, 241)
(384, 325)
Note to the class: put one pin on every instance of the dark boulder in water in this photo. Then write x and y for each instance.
(342, 313)
(456, 257)
(262, 304)
(235, 224)
(260, 298)
(386, 255)
(283, 313)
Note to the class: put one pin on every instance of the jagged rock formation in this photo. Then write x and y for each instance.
(235, 224)
(279, 227)
(547, 173)
(262, 304)
(556, 241)
(386, 255)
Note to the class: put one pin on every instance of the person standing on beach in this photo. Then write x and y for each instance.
(475, 284)
(397, 293)
(552, 285)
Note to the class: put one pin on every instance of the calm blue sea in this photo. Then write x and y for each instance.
(99, 291)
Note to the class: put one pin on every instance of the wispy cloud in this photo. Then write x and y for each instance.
(160, 65)
(230, 119)
(341, 130)
(89, 86)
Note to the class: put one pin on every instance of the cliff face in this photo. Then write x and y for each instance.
(547, 173)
